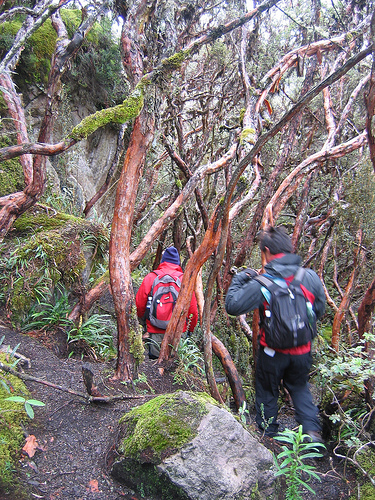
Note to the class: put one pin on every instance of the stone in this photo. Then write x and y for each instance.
(220, 460)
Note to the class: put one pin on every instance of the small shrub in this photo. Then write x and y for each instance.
(94, 337)
(293, 466)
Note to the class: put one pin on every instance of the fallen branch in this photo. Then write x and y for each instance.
(91, 399)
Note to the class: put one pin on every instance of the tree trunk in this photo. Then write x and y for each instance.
(119, 248)
(175, 327)
(365, 310)
(230, 371)
(337, 320)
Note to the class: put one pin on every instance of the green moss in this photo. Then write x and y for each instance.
(129, 109)
(11, 172)
(43, 41)
(104, 277)
(153, 432)
(135, 340)
(366, 459)
(11, 177)
(242, 115)
(248, 135)
(46, 248)
(35, 60)
(175, 61)
(255, 493)
(43, 221)
(52, 246)
(72, 19)
(162, 426)
(11, 433)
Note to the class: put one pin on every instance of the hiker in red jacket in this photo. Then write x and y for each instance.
(169, 267)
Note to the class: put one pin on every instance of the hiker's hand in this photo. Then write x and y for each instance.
(251, 272)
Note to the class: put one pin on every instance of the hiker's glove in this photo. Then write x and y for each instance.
(251, 272)
(246, 275)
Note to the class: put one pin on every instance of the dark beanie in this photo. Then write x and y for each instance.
(171, 255)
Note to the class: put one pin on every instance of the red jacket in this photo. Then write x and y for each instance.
(145, 289)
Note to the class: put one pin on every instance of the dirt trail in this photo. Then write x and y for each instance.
(75, 437)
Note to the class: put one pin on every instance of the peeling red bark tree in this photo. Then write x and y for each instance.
(370, 100)
(119, 248)
(230, 370)
(175, 327)
(365, 310)
(339, 316)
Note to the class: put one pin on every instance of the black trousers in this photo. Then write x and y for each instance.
(294, 372)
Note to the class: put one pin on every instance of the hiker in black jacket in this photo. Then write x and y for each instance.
(292, 365)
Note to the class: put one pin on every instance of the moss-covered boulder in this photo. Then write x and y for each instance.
(47, 251)
(185, 446)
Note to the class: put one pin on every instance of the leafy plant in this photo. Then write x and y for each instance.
(94, 336)
(28, 404)
(142, 379)
(11, 360)
(189, 359)
(243, 413)
(342, 378)
(293, 467)
(46, 316)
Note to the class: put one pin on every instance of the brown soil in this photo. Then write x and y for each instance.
(75, 437)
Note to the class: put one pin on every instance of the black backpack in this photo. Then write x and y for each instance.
(287, 317)
(162, 299)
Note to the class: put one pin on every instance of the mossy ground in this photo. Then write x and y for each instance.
(366, 489)
(11, 432)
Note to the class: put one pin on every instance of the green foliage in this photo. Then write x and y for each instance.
(47, 316)
(342, 378)
(297, 473)
(189, 361)
(11, 418)
(94, 337)
(27, 403)
(48, 253)
(235, 341)
(11, 173)
(243, 413)
(97, 68)
(142, 379)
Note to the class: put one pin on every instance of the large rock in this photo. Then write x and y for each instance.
(184, 446)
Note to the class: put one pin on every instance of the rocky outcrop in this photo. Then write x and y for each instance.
(77, 175)
(185, 446)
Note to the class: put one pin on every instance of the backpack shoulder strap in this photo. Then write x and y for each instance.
(267, 282)
(158, 274)
(298, 277)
